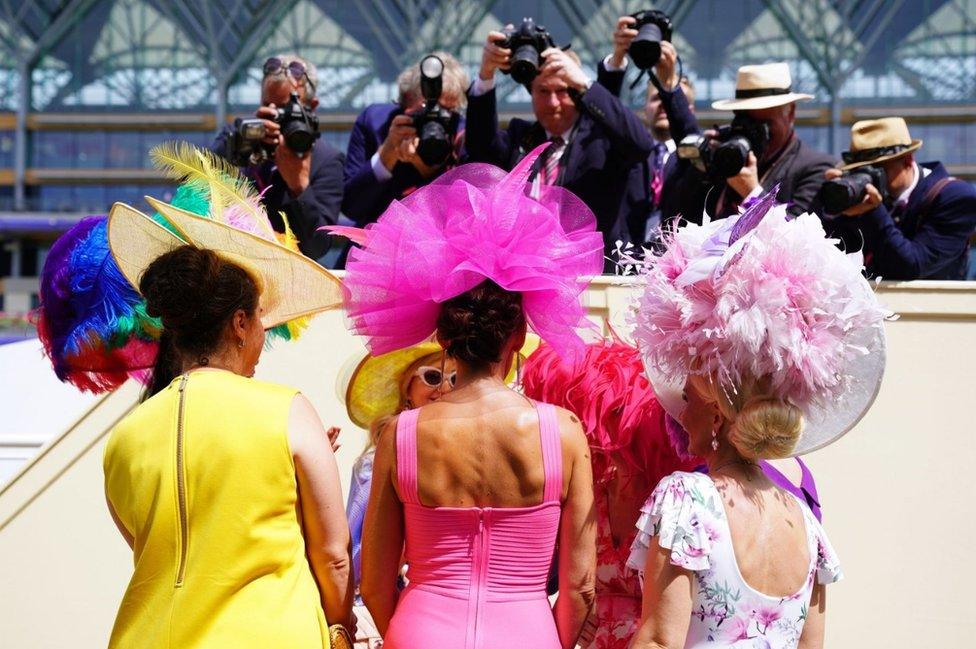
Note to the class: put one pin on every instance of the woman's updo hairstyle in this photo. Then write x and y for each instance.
(475, 326)
(195, 293)
(760, 426)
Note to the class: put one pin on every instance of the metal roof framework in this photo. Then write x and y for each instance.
(50, 52)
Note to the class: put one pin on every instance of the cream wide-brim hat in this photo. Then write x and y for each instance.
(762, 86)
(291, 285)
(877, 140)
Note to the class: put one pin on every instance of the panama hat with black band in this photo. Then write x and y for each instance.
(762, 86)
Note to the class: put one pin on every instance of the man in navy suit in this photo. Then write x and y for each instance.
(381, 160)
(595, 140)
(307, 188)
(922, 231)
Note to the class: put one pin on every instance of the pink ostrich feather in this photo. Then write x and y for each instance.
(756, 295)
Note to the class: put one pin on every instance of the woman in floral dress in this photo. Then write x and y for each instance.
(764, 341)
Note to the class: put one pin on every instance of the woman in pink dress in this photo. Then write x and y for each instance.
(477, 490)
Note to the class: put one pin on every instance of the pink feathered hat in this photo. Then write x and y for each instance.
(762, 295)
(472, 224)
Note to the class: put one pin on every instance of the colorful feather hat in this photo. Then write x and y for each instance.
(762, 296)
(92, 320)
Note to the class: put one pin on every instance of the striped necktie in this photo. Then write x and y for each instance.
(550, 170)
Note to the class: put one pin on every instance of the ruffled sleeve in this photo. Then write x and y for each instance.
(681, 513)
(828, 565)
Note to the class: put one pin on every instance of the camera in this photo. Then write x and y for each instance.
(527, 42)
(299, 126)
(726, 154)
(847, 191)
(436, 126)
(652, 27)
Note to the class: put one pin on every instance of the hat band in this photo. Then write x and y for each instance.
(864, 155)
(762, 92)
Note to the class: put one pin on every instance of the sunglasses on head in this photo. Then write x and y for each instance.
(296, 69)
(434, 378)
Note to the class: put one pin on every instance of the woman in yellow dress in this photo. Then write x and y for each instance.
(225, 487)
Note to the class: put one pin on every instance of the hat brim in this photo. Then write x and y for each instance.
(758, 103)
(824, 424)
(370, 385)
(291, 285)
(915, 145)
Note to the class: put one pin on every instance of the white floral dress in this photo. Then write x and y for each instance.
(686, 514)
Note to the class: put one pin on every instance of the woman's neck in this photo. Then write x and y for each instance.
(226, 361)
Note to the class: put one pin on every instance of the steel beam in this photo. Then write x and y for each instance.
(20, 135)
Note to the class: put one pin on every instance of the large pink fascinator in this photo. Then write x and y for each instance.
(472, 224)
(760, 296)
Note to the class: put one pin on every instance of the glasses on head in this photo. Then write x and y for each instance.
(434, 378)
(296, 69)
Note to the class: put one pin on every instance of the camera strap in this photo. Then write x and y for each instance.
(657, 82)
(930, 196)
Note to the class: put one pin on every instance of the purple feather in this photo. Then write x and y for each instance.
(755, 211)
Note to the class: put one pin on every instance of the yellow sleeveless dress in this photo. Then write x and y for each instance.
(203, 478)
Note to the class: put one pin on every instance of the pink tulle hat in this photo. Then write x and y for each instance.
(762, 295)
(472, 224)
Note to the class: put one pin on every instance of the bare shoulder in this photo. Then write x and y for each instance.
(571, 430)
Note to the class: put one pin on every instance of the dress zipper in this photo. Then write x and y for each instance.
(181, 486)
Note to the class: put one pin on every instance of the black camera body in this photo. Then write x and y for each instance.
(436, 126)
(726, 154)
(652, 27)
(299, 126)
(850, 189)
(527, 42)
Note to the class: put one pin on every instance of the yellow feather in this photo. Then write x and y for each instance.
(211, 173)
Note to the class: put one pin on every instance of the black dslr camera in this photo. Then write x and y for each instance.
(436, 126)
(726, 154)
(299, 126)
(527, 42)
(652, 27)
(847, 191)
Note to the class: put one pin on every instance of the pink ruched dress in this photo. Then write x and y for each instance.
(477, 574)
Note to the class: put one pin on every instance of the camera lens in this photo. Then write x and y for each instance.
(525, 64)
(841, 193)
(645, 50)
(434, 145)
(731, 156)
(298, 137)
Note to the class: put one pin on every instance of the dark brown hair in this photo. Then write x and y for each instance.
(195, 293)
(474, 326)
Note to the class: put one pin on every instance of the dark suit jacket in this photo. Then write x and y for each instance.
(920, 244)
(798, 170)
(609, 141)
(318, 205)
(366, 197)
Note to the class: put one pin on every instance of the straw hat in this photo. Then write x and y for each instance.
(762, 86)
(291, 285)
(877, 140)
(370, 385)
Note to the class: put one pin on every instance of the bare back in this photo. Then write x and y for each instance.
(769, 535)
(486, 451)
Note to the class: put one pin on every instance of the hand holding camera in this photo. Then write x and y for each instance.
(623, 36)
(495, 56)
(747, 179)
(666, 67)
(854, 192)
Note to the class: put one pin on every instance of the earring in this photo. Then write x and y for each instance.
(714, 439)
(240, 344)
(518, 371)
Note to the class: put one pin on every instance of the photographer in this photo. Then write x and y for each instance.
(595, 139)
(914, 219)
(382, 160)
(652, 190)
(305, 186)
(765, 112)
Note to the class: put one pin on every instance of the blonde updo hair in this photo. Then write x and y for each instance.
(760, 426)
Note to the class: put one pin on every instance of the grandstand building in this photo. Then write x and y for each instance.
(88, 86)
